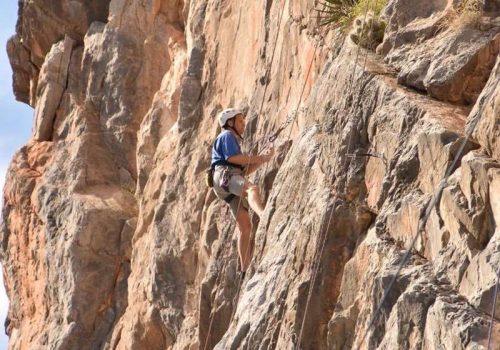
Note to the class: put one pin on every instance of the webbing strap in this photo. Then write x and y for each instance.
(226, 163)
(229, 198)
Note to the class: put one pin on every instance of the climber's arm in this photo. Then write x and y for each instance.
(245, 159)
(253, 162)
(252, 168)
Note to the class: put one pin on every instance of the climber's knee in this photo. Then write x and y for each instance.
(251, 189)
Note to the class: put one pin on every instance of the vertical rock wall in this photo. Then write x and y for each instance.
(111, 239)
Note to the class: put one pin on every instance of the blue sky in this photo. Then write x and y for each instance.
(15, 123)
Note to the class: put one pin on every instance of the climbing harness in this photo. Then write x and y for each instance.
(224, 180)
(209, 173)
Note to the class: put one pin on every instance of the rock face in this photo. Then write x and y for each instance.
(41, 24)
(111, 239)
(444, 53)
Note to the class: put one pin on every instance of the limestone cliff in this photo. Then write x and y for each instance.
(111, 240)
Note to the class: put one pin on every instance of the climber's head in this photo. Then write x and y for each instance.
(234, 119)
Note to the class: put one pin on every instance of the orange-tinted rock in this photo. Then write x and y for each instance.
(111, 239)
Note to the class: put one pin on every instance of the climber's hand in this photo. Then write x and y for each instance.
(267, 155)
(270, 152)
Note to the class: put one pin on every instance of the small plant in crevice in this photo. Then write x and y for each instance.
(362, 16)
(336, 12)
(341, 13)
(368, 31)
(374, 6)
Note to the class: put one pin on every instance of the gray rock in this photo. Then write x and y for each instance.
(41, 24)
(25, 72)
(51, 85)
(111, 240)
(448, 60)
(485, 116)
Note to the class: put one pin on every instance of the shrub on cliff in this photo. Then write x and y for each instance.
(363, 16)
(468, 14)
(368, 31)
(341, 13)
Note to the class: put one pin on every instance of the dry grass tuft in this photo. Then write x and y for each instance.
(468, 14)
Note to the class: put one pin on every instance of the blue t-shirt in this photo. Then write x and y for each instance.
(225, 146)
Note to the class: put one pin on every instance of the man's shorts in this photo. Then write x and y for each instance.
(236, 184)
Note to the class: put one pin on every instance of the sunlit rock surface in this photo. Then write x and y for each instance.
(111, 239)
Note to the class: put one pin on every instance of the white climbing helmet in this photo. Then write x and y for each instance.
(227, 114)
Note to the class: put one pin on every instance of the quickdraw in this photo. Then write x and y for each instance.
(380, 156)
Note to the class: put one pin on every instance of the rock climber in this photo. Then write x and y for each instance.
(228, 166)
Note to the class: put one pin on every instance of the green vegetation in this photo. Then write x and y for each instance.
(362, 15)
(375, 6)
(341, 13)
(368, 31)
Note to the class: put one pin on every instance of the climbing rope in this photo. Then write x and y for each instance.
(324, 235)
(423, 222)
(315, 268)
(368, 3)
(266, 80)
(268, 72)
(291, 119)
(225, 238)
(287, 122)
(492, 321)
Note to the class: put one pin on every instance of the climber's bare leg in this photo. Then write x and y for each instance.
(245, 247)
(254, 198)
